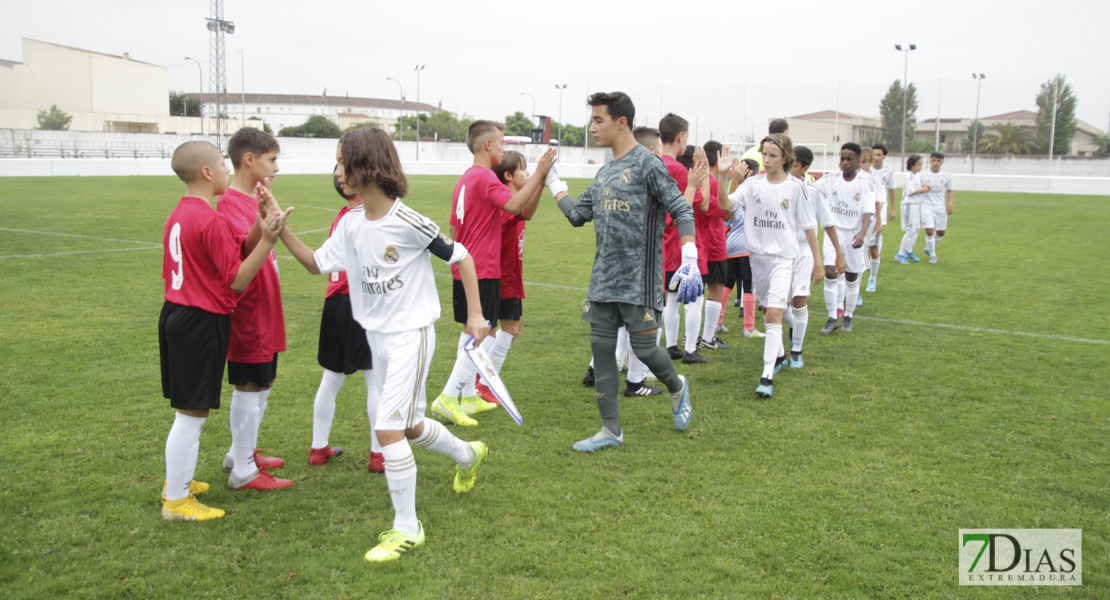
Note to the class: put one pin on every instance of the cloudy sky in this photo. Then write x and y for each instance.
(726, 66)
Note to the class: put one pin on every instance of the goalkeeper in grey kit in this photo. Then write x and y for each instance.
(628, 202)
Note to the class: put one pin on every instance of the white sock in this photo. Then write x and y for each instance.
(801, 322)
(436, 438)
(875, 267)
(180, 459)
(244, 416)
(712, 315)
(373, 397)
(400, 477)
(591, 361)
(500, 349)
(841, 290)
(263, 401)
(323, 408)
(772, 347)
(623, 346)
(940, 238)
(787, 317)
(931, 244)
(462, 374)
(670, 319)
(693, 323)
(850, 299)
(830, 297)
(905, 248)
(194, 452)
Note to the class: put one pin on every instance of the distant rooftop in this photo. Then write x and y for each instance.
(9, 63)
(308, 100)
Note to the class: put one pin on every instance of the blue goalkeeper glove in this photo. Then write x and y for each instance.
(687, 279)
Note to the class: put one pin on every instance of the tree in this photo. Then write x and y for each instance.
(1066, 123)
(968, 142)
(54, 119)
(265, 126)
(1011, 139)
(892, 116)
(518, 124)
(1103, 143)
(317, 126)
(184, 105)
(573, 135)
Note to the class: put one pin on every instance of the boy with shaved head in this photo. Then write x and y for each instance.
(203, 274)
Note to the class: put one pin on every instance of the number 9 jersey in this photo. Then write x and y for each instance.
(200, 257)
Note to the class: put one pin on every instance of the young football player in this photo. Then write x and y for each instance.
(648, 137)
(388, 246)
(203, 272)
(673, 133)
(628, 202)
(713, 225)
(476, 206)
(776, 213)
(739, 261)
(258, 323)
(850, 197)
(911, 210)
(937, 204)
(797, 318)
(342, 350)
(884, 189)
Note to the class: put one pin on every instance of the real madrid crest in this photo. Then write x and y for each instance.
(785, 203)
(626, 176)
(856, 198)
(391, 255)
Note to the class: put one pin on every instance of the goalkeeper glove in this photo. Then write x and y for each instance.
(554, 184)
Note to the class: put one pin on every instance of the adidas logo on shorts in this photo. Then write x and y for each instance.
(648, 317)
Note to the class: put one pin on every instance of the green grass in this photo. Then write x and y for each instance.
(852, 483)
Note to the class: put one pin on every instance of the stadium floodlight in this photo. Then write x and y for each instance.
(905, 90)
(979, 77)
(533, 102)
(418, 69)
(560, 87)
(200, 94)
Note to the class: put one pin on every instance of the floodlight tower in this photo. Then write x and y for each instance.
(217, 68)
(905, 89)
(979, 77)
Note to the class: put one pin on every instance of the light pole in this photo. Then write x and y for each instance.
(533, 119)
(418, 69)
(905, 89)
(200, 94)
(560, 87)
(695, 127)
(243, 86)
(1052, 134)
(975, 138)
(400, 117)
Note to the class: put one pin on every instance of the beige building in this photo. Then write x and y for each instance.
(952, 132)
(831, 128)
(102, 92)
(289, 110)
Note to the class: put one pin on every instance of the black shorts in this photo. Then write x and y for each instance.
(511, 309)
(261, 374)
(739, 271)
(489, 293)
(667, 277)
(193, 347)
(717, 272)
(343, 345)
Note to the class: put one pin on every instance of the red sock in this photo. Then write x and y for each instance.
(749, 311)
(724, 303)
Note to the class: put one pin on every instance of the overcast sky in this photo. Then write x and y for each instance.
(693, 58)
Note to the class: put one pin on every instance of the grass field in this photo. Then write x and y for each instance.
(851, 483)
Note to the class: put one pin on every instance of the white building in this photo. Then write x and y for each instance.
(290, 110)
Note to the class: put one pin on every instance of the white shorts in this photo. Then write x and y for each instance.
(771, 278)
(401, 361)
(911, 216)
(854, 257)
(934, 217)
(803, 274)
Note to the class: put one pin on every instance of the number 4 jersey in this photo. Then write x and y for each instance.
(200, 257)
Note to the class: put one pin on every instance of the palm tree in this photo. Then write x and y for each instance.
(1011, 139)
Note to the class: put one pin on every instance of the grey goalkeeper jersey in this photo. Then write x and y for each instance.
(628, 202)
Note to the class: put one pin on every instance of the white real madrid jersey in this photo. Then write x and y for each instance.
(388, 267)
(939, 183)
(774, 214)
(847, 201)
